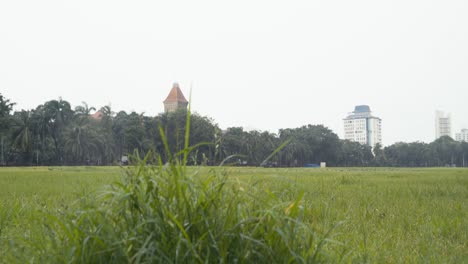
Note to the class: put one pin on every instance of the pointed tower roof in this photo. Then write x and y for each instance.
(175, 95)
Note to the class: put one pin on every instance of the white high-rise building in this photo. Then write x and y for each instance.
(360, 126)
(443, 124)
(462, 136)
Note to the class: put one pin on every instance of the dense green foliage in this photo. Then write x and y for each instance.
(56, 134)
(376, 215)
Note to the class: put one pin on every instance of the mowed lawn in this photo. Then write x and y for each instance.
(380, 215)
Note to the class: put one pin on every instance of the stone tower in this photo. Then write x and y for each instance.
(175, 100)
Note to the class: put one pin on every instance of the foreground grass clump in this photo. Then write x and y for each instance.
(164, 214)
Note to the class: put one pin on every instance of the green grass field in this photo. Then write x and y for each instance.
(376, 215)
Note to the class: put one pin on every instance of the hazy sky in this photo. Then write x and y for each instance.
(261, 64)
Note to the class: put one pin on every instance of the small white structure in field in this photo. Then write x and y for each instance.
(323, 165)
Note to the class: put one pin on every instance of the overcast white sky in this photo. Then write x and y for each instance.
(261, 64)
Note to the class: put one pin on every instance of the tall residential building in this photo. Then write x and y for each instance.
(175, 100)
(443, 124)
(360, 126)
(462, 136)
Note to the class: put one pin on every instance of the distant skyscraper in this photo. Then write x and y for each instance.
(175, 100)
(360, 126)
(462, 136)
(443, 124)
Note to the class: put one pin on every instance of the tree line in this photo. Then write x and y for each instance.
(54, 133)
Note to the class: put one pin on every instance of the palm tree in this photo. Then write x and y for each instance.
(58, 114)
(118, 131)
(108, 151)
(83, 142)
(5, 120)
(84, 110)
(59, 111)
(22, 134)
(107, 111)
(42, 133)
